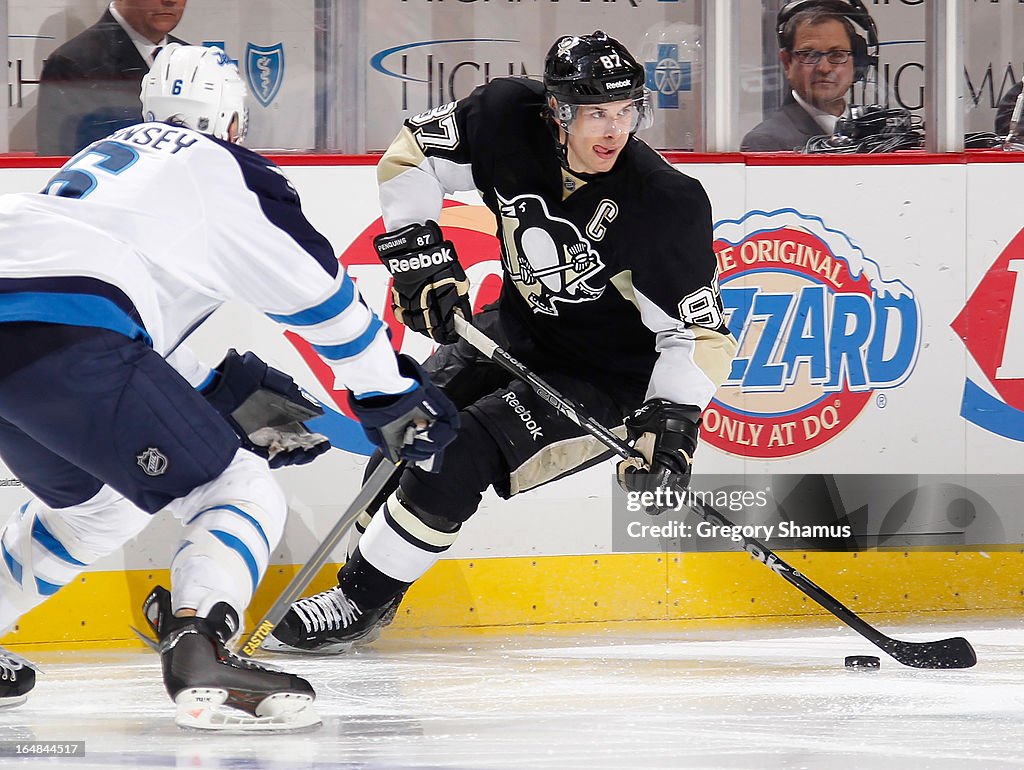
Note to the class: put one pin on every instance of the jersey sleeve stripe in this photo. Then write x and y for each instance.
(353, 347)
(331, 307)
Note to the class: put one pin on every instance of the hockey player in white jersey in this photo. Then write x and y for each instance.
(106, 418)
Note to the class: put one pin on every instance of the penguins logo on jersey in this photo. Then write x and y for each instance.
(548, 258)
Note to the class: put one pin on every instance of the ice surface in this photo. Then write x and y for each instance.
(628, 696)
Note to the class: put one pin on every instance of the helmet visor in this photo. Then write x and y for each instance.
(605, 119)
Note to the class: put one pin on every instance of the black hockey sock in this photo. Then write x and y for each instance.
(366, 585)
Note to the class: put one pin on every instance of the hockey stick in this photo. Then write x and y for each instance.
(370, 489)
(946, 653)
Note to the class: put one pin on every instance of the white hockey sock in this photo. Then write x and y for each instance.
(233, 523)
(401, 546)
(45, 548)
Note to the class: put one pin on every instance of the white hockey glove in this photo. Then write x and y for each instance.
(666, 435)
(428, 284)
(267, 410)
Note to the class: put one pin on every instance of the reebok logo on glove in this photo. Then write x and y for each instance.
(442, 256)
(429, 286)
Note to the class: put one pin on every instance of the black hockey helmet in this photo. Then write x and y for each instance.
(594, 69)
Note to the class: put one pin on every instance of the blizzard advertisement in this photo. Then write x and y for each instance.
(824, 512)
(821, 333)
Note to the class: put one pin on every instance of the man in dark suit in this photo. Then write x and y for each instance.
(788, 128)
(817, 56)
(90, 85)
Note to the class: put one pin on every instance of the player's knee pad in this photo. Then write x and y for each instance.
(403, 543)
(231, 526)
(472, 463)
(45, 548)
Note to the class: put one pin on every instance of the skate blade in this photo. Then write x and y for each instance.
(202, 708)
(371, 636)
(273, 644)
(153, 645)
(9, 703)
(23, 661)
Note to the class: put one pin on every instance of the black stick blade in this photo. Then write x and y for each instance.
(945, 653)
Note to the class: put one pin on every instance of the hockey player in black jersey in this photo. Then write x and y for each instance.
(610, 294)
(105, 417)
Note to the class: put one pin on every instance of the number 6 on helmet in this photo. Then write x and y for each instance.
(197, 87)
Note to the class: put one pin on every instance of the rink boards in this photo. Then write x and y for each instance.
(923, 373)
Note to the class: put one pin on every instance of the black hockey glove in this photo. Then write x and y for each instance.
(414, 426)
(267, 410)
(666, 435)
(428, 284)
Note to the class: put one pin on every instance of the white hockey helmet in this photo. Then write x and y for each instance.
(197, 87)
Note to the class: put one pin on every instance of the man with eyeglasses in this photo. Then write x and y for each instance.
(817, 55)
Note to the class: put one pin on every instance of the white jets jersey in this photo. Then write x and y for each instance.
(150, 230)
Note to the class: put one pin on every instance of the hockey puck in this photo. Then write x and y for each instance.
(863, 662)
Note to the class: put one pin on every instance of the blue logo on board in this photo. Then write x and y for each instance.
(669, 75)
(264, 69)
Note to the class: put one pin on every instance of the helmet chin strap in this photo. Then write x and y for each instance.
(557, 133)
(563, 151)
(560, 133)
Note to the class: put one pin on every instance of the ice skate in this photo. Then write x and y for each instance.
(213, 688)
(386, 619)
(328, 622)
(17, 678)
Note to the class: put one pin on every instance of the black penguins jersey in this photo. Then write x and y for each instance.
(610, 277)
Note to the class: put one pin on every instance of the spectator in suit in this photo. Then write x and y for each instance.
(822, 56)
(90, 85)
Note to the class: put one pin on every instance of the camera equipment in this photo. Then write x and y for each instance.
(871, 128)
